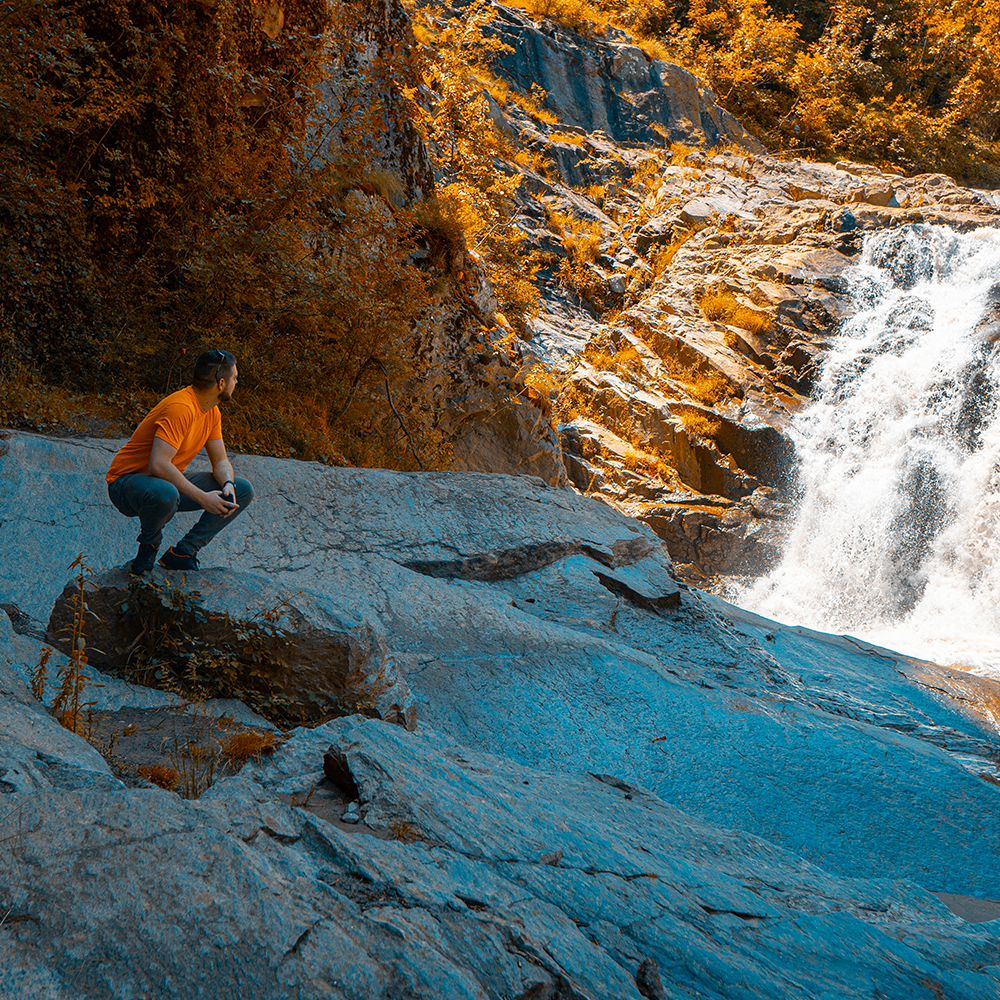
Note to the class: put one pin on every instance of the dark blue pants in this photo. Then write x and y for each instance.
(155, 501)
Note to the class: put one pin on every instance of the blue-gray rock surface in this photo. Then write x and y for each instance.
(607, 769)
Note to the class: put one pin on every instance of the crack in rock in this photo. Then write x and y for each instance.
(23, 624)
(523, 559)
(633, 596)
(712, 911)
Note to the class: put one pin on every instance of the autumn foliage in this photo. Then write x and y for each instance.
(176, 179)
(910, 84)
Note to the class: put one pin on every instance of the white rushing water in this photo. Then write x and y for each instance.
(897, 538)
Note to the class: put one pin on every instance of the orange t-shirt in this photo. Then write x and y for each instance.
(180, 421)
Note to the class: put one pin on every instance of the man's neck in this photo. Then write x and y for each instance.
(207, 398)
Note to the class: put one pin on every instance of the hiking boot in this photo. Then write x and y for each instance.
(143, 562)
(172, 559)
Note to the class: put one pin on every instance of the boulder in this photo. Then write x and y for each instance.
(514, 437)
(303, 660)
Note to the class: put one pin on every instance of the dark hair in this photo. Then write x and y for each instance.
(211, 366)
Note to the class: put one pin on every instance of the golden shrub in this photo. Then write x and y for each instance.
(160, 775)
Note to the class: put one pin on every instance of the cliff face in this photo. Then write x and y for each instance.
(481, 407)
(608, 85)
(696, 323)
(366, 76)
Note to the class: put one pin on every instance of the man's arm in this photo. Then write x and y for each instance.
(222, 468)
(160, 465)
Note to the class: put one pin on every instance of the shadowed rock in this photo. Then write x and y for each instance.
(305, 667)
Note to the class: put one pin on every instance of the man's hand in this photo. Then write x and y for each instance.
(215, 503)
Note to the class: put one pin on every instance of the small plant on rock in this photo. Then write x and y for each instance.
(156, 774)
(67, 704)
(700, 425)
(723, 307)
(241, 747)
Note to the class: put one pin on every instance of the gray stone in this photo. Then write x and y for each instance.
(771, 807)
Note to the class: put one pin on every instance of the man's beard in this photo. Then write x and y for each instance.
(224, 396)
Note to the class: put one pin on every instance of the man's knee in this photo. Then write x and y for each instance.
(244, 492)
(160, 496)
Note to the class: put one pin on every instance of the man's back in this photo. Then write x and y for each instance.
(180, 421)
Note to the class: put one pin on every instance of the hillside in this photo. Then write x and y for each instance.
(529, 301)
(688, 282)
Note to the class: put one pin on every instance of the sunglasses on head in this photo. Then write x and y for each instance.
(220, 358)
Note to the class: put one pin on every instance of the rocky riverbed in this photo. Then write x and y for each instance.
(616, 786)
(695, 329)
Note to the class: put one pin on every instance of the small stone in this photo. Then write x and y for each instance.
(352, 814)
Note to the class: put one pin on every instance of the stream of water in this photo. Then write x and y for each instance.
(897, 537)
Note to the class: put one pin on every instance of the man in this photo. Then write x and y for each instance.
(147, 480)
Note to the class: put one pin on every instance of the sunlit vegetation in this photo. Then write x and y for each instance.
(905, 84)
(624, 360)
(579, 15)
(723, 307)
(173, 180)
(640, 453)
(700, 425)
(568, 138)
(710, 387)
(661, 259)
(466, 145)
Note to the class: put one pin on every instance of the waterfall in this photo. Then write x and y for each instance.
(897, 536)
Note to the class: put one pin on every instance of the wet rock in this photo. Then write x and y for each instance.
(909, 261)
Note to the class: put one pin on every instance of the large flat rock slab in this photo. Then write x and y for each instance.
(469, 876)
(544, 627)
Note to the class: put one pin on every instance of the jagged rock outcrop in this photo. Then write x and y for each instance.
(610, 773)
(671, 412)
(608, 86)
(481, 406)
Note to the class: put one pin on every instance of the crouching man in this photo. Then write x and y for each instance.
(147, 480)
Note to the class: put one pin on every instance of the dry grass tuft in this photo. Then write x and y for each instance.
(638, 459)
(625, 361)
(699, 425)
(710, 387)
(662, 259)
(156, 774)
(569, 138)
(241, 747)
(405, 832)
(654, 49)
(579, 15)
(722, 307)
